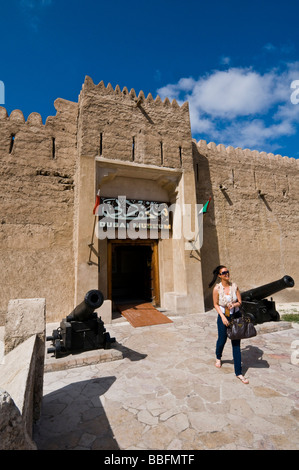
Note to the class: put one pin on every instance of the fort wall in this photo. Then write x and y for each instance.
(123, 126)
(119, 140)
(252, 223)
(37, 169)
(140, 147)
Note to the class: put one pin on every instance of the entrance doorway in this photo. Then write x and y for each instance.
(133, 271)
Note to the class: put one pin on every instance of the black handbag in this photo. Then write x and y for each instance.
(241, 328)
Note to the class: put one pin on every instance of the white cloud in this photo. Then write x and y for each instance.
(253, 134)
(184, 85)
(240, 106)
(232, 93)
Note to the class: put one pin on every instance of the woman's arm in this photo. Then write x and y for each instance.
(238, 302)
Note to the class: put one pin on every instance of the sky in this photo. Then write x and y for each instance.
(235, 62)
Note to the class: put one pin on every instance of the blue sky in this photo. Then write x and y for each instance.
(234, 61)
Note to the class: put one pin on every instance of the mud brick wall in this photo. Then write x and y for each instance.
(37, 169)
(252, 223)
(121, 125)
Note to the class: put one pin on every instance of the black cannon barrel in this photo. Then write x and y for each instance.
(266, 290)
(92, 300)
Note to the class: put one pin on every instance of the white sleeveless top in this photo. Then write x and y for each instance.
(224, 299)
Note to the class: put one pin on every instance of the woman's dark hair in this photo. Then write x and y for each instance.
(215, 274)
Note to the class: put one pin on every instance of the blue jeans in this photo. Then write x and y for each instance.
(222, 337)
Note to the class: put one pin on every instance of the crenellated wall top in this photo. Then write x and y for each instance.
(17, 116)
(238, 152)
(61, 105)
(131, 95)
(35, 119)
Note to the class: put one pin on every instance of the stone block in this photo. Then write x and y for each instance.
(13, 435)
(21, 380)
(24, 318)
(25, 322)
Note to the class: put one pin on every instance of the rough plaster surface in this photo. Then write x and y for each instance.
(48, 185)
(252, 223)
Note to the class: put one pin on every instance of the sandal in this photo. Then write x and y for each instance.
(243, 379)
(218, 363)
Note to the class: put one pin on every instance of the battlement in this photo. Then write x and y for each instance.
(119, 124)
(35, 119)
(89, 85)
(238, 152)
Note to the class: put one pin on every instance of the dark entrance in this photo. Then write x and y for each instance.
(133, 274)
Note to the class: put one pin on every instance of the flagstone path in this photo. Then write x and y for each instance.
(167, 394)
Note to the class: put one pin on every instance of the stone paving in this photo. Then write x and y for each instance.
(166, 394)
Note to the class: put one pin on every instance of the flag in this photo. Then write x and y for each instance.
(204, 209)
(201, 214)
(97, 203)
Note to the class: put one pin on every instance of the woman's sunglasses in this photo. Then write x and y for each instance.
(223, 273)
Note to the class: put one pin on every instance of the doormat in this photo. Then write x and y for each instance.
(144, 314)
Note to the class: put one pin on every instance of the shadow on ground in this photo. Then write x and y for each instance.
(252, 357)
(85, 427)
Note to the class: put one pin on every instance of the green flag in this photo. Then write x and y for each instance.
(205, 207)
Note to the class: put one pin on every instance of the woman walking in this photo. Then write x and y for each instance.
(227, 302)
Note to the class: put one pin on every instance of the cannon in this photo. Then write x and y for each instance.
(82, 329)
(260, 309)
